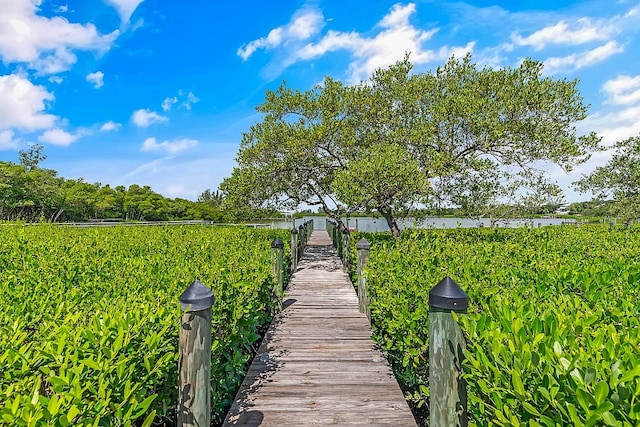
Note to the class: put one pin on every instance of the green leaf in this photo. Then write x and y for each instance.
(149, 419)
(585, 400)
(601, 392)
(91, 364)
(142, 407)
(518, 387)
(609, 419)
(72, 413)
(627, 376)
(557, 348)
(577, 422)
(54, 405)
(530, 408)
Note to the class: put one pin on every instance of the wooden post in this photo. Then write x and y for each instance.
(345, 250)
(277, 248)
(447, 388)
(334, 231)
(194, 363)
(294, 250)
(363, 247)
(301, 241)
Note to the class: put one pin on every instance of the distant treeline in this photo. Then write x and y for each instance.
(31, 193)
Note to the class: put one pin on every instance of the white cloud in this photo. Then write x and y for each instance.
(62, 9)
(96, 79)
(394, 36)
(110, 126)
(623, 90)
(583, 31)
(614, 125)
(7, 142)
(190, 99)
(168, 103)
(57, 136)
(125, 8)
(304, 24)
(56, 79)
(45, 44)
(22, 104)
(170, 147)
(186, 100)
(398, 36)
(145, 118)
(580, 60)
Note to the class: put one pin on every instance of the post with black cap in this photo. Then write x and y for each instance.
(447, 388)
(294, 250)
(277, 248)
(363, 246)
(194, 364)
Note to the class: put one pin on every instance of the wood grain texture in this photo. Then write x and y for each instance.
(317, 364)
(194, 367)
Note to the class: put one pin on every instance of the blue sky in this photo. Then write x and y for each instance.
(158, 93)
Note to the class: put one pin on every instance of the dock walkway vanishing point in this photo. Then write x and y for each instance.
(317, 364)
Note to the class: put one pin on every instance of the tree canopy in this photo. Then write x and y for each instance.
(619, 178)
(405, 140)
(29, 192)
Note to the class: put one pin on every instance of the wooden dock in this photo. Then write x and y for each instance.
(317, 364)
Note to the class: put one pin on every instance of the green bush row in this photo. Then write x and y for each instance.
(553, 327)
(89, 318)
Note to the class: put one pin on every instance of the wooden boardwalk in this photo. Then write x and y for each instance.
(317, 364)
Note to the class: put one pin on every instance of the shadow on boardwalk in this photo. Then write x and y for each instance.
(317, 364)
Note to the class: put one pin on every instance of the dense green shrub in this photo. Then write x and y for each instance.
(553, 328)
(89, 318)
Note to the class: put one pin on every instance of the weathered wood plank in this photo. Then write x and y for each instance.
(317, 364)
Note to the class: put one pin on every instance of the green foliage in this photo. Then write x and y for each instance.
(32, 157)
(553, 327)
(620, 178)
(406, 140)
(89, 318)
(29, 193)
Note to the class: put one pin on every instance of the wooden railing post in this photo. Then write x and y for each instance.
(294, 250)
(194, 363)
(345, 250)
(447, 388)
(301, 241)
(363, 247)
(277, 249)
(334, 230)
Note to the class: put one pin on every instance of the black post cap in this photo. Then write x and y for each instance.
(277, 243)
(294, 230)
(448, 295)
(197, 297)
(363, 244)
